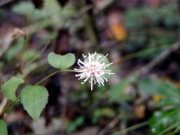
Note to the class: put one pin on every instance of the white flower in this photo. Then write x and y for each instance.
(94, 69)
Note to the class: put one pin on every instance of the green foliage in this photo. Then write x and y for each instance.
(14, 50)
(61, 61)
(51, 10)
(34, 100)
(24, 8)
(29, 55)
(165, 121)
(9, 88)
(73, 125)
(118, 94)
(68, 11)
(155, 86)
(103, 112)
(139, 17)
(3, 128)
(150, 27)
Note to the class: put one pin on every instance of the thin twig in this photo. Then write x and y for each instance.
(57, 71)
(158, 59)
(37, 55)
(32, 67)
(131, 128)
(5, 108)
(3, 103)
(3, 2)
(110, 125)
(83, 10)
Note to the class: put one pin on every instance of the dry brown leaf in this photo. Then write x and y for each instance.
(17, 33)
(140, 111)
(116, 25)
(119, 32)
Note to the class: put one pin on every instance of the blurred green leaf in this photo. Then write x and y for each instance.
(61, 61)
(69, 11)
(3, 128)
(34, 100)
(155, 86)
(29, 54)
(73, 125)
(161, 120)
(149, 86)
(25, 8)
(9, 88)
(14, 50)
(117, 92)
(103, 112)
(136, 18)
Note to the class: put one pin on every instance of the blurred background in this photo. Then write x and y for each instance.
(142, 40)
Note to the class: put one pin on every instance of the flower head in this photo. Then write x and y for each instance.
(93, 69)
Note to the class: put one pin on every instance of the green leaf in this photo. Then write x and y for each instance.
(3, 128)
(34, 100)
(9, 88)
(155, 86)
(149, 86)
(117, 92)
(105, 112)
(161, 120)
(69, 11)
(61, 61)
(13, 52)
(73, 125)
(24, 8)
(30, 54)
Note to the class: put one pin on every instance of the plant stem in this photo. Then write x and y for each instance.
(37, 55)
(145, 52)
(89, 23)
(130, 128)
(9, 105)
(53, 74)
(57, 71)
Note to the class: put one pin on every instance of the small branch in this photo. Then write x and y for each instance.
(32, 67)
(110, 125)
(3, 2)
(89, 22)
(158, 59)
(3, 104)
(37, 55)
(5, 108)
(130, 128)
(57, 71)
(83, 10)
(106, 4)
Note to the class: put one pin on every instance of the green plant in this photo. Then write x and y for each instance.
(166, 118)
(35, 97)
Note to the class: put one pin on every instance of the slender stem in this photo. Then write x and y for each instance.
(37, 55)
(131, 128)
(67, 70)
(145, 52)
(89, 22)
(9, 105)
(57, 71)
(5, 2)
(53, 74)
